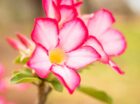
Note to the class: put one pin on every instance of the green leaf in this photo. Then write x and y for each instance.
(54, 82)
(57, 86)
(94, 93)
(24, 77)
(20, 60)
(27, 71)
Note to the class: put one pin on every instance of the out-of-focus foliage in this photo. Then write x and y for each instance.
(94, 93)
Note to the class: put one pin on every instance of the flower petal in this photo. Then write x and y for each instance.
(116, 67)
(40, 62)
(67, 13)
(68, 77)
(77, 1)
(51, 9)
(57, 2)
(78, 6)
(16, 44)
(67, 2)
(82, 57)
(73, 34)
(100, 22)
(86, 18)
(45, 32)
(93, 42)
(113, 42)
(27, 42)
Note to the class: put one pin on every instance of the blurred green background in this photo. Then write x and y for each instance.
(18, 16)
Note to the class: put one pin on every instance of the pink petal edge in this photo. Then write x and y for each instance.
(93, 42)
(81, 57)
(45, 32)
(113, 42)
(40, 62)
(104, 57)
(116, 67)
(67, 13)
(100, 22)
(51, 9)
(68, 77)
(16, 44)
(28, 43)
(72, 35)
(67, 2)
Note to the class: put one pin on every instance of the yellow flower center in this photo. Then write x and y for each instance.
(57, 56)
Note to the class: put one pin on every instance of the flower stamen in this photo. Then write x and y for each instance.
(56, 56)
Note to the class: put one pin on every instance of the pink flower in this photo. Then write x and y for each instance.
(108, 41)
(61, 50)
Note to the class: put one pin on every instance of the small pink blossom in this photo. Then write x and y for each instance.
(61, 50)
(24, 45)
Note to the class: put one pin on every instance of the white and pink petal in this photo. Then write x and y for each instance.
(100, 22)
(51, 9)
(68, 77)
(67, 2)
(113, 42)
(93, 42)
(73, 34)
(40, 62)
(86, 18)
(81, 57)
(67, 13)
(45, 32)
(115, 67)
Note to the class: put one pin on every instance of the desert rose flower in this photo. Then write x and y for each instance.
(61, 50)
(108, 41)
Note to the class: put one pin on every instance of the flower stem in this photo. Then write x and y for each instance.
(43, 92)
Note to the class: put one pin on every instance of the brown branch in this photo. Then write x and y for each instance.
(43, 92)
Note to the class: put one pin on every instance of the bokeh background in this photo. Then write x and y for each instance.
(18, 16)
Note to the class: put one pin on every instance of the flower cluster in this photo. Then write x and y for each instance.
(66, 41)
